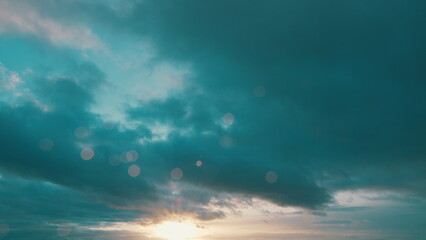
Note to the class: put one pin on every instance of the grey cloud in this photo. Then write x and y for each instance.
(343, 87)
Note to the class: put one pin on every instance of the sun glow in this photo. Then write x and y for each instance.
(175, 231)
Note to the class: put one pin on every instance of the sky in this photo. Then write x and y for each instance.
(208, 120)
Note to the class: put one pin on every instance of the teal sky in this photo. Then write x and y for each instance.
(188, 119)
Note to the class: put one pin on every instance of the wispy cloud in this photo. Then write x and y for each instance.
(21, 18)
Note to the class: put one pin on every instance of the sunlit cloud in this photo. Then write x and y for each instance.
(23, 19)
(15, 91)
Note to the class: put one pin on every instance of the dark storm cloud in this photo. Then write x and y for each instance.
(344, 91)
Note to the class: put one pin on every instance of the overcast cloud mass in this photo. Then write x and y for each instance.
(118, 115)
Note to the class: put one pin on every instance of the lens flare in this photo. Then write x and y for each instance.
(134, 170)
(87, 153)
(176, 173)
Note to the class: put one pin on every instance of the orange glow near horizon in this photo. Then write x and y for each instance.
(176, 231)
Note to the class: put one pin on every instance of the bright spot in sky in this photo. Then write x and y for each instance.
(132, 156)
(228, 119)
(271, 177)
(175, 231)
(199, 163)
(134, 170)
(45, 144)
(176, 173)
(81, 132)
(87, 153)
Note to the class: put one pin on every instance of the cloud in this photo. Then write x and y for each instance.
(324, 98)
(61, 164)
(40, 210)
(304, 129)
(162, 81)
(337, 103)
(9, 79)
(23, 19)
(54, 152)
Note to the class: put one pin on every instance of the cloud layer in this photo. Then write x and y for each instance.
(291, 102)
